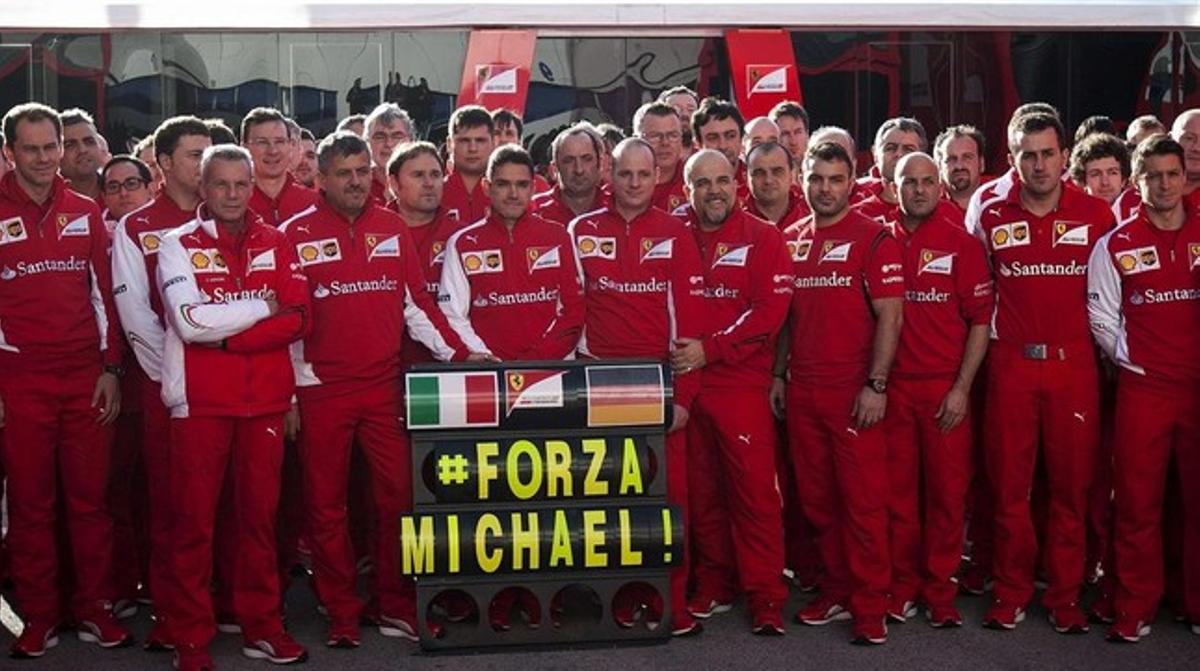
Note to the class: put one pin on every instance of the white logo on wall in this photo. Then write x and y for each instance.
(495, 78)
(767, 78)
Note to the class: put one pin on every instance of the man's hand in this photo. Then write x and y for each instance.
(272, 306)
(107, 398)
(679, 418)
(291, 422)
(688, 355)
(482, 357)
(953, 409)
(869, 408)
(777, 397)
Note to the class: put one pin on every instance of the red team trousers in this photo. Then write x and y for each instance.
(202, 450)
(50, 438)
(1054, 405)
(735, 505)
(841, 475)
(330, 426)
(1152, 425)
(926, 465)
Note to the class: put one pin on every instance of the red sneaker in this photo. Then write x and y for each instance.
(704, 606)
(822, 610)
(102, 629)
(870, 632)
(34, 641)
(344, 635)
(278, 649)
(766, 619)
(1069, 620)
(1128, 630)
(685, 625)
(900, 611)
(398, 627)
(1003, 616)
(942, 617)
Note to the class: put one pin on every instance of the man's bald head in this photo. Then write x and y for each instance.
(759, 130)
(915, 162)
(918, 186)
(1187, 118)
(711, 188)
(705, 160)
(1186, 131)
(837, 135)
(630, 145)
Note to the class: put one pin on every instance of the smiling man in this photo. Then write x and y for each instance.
(277, 196)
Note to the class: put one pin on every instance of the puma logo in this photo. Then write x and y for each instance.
(273, 431)
(1081, 417)
(744, 437)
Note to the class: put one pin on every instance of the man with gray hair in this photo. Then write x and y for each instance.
(732, 491)
(386, 127)
(896, 137)
(660, 125)
(233, 301)
(576, 153)
(1186, 131)
(348, 372)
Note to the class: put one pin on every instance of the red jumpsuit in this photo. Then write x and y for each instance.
(228, 381)
(58, 328)
(466, 207)
(514, 294)
(550, 206)
(670, 195)
(430, 243)
(292, 199)
(1042, 388)
(736, 507)
(840, 470)
(348, 376)
(1144, 305)
(639, 296)
(797, 209)
(135, 262)
(948, 290)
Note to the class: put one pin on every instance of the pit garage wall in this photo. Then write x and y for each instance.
(855, 79)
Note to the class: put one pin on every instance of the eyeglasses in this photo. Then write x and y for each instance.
(131, 184)
(655, 138)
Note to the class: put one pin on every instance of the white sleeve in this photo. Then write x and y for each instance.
(186, 309)
(131, 293)
(1104, 305)
(454, 297)
(423, 330)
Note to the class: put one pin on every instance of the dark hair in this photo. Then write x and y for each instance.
(611, 133)
(1035, 122)
(1030, 108)
(905, 124)
(471, 116)
(1097, 146)
(790, 109)
(169, 132)
(219, 133)
(1096, 123)
(507, 117)
(715, 109)
(407, 151)
(579, 128)
(768, 146)
(1159, 144)
(340, 144)
(829, 152)
(506, 154)
(953, 133)
(75, 116)
(1143, 122)
(260, 115)
(32, 112)
(142, 169)
(306, 134)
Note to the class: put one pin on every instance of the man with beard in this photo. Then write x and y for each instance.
(576, 155)
(959, 152)
(737, 525)
(661, 126)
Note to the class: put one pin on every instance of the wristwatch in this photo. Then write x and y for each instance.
(877, 385)
(115, 370)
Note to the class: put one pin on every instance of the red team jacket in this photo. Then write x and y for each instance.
(56, 310)
(366, 282)
(224, 356)
(839, 270)
(669, 195)
(467, 208)
(747, 289)
(549, 206)
(430, 242)
(643, 287)
(292, 199)
(797, 208)
(1144, 300)
(136, 242)
(948, 289)
(1040, 266)
(516, 296)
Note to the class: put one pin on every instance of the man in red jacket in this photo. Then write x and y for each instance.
(470, 144)
(737, 525)
(277, 195)
(60, 352)
(234, 299)
(179, 143)
(644, 289)
(365, 293)
(947, 305)
(773, 194)
(660, 124)
(386, 128)
(1042, 378)
(576, 154)
(508, 285)
(1144, 308)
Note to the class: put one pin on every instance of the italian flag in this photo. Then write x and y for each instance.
(452, 400)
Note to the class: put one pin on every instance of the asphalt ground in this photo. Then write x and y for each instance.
(725, 644)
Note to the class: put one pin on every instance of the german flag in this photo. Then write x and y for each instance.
(625, 395)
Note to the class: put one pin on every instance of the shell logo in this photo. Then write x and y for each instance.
(1127, 261)
(308, 253)
(151, 242)
(1000, 237)
(200, 260)
(472, 262)
(587, 245)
